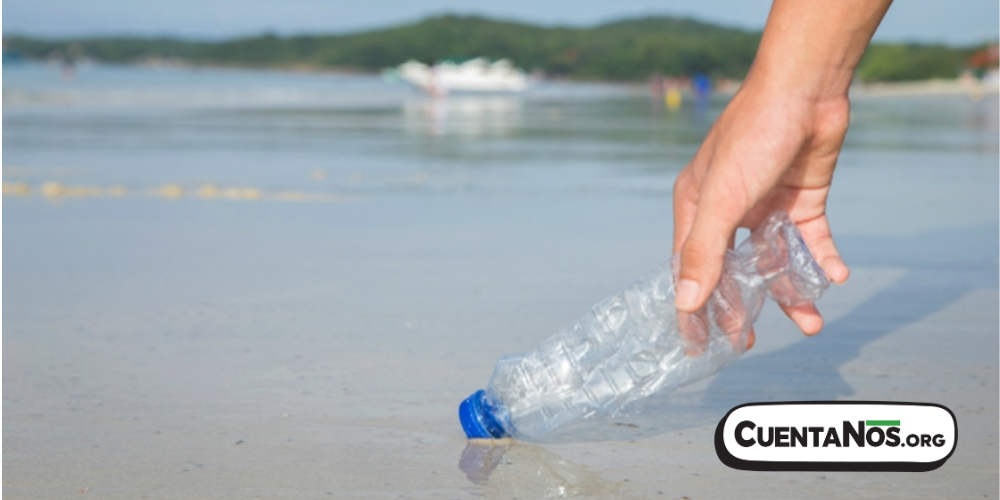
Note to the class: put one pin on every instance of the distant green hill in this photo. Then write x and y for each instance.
(623, 50)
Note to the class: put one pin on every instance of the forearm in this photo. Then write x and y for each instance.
(810, 48)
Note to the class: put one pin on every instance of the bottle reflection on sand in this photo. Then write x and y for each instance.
(506, 468)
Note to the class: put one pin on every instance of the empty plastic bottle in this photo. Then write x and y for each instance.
(635, 343)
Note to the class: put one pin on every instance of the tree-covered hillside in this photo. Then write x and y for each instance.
(624, 50)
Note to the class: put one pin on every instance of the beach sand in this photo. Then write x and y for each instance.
(232, 348)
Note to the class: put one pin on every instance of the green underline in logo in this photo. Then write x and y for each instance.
(882, 423)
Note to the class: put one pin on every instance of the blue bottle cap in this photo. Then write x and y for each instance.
(477, 418)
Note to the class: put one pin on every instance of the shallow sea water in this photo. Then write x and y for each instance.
(228, 283)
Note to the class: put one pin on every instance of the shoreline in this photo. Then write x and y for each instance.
(973, 88)
(958, 86)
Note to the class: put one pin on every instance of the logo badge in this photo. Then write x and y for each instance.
(836, 436)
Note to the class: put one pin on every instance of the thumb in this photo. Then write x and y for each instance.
(703, 254)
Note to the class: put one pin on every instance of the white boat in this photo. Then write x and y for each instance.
(474, 75)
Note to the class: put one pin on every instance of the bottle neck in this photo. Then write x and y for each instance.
(478, 418)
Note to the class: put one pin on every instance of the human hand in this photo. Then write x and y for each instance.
(775, 146)
(770, 149)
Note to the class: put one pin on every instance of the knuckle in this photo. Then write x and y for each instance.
(697, 256)
(683, 184)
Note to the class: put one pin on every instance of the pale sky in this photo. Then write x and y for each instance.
(949, 21)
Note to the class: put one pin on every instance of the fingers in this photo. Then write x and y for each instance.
(687, 190)
(685, 208)
(702, 253)
(726, 316)
(806, 317)
(816, 234)
(694, 330)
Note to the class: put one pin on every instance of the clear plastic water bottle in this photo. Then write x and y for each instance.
(635, 343)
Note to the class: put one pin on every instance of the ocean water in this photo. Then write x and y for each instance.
(233, 283)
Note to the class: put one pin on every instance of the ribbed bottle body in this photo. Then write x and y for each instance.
(635, 343)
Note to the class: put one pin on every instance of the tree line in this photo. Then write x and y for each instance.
(624, 50)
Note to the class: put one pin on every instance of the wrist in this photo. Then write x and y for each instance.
(810, 49)
(808, 80)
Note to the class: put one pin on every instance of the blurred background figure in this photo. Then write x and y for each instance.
(701, 86)
(673, 97)
(667, 90)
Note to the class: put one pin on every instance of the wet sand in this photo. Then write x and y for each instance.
(338, 367)
(214, 348)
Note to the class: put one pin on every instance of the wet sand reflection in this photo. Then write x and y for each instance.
(511, 469)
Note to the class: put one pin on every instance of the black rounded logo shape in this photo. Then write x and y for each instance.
(850, 436)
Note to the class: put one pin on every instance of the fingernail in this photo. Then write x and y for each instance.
(687, 294)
